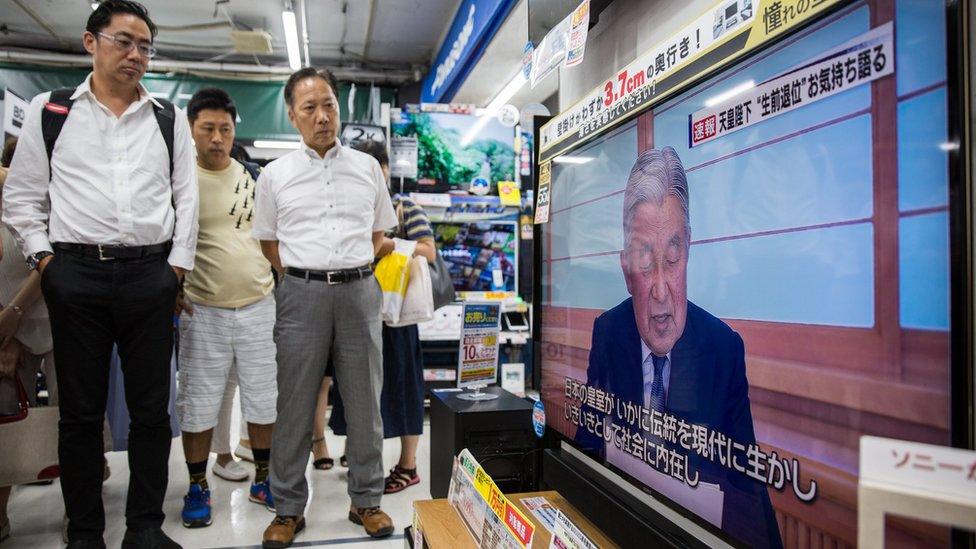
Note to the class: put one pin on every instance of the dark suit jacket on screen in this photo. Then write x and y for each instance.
(707, 387)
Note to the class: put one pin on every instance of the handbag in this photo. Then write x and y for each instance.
(441, 285)
(440, 282)
(35, 454)
(418, 302)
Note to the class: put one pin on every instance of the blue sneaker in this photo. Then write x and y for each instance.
(261, 493)
(196, 507)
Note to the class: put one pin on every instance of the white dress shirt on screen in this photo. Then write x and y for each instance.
(109, 180)
(323, 210)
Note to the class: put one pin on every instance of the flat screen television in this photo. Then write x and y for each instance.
(724, 348)
(482, 257)
(445, 161)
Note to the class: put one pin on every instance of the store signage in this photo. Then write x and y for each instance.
(542, 201)
(354, 132)
(727, 31)
(489, 516)
(403, 157)
(473, 27)
(917, 467)
(563, 45)
(478, 355)
(509, 193)
(566, 535)
(860, 61)
(14, 112)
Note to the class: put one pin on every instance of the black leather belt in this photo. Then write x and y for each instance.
(109, 252)
(332, 277)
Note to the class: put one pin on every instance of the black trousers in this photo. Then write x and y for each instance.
(92, 305)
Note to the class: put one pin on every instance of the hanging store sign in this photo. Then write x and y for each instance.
(727, 31)
(862, 60)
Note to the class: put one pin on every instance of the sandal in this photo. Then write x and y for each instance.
(322, 464)
(400, 479)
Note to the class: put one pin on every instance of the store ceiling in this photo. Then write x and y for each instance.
(395, 38)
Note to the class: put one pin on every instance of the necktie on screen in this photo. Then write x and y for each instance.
(654, 391)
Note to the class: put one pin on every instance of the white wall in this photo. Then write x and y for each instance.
(627, 28)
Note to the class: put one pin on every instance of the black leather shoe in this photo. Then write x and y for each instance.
(86, 544)
(153, 538)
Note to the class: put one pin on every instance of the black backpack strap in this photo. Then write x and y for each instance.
(53, 116)
(166, 118)
(254, 170)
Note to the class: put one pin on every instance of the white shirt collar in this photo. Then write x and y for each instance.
(85, 87)
(646, 351)
(331, 153)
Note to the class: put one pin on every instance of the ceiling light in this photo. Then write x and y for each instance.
(291, 38)
(720, 98)
(259, 144)
(564, 159)
(509, 91)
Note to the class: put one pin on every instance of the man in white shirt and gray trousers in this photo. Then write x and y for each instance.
(320, 214)
(106, 210)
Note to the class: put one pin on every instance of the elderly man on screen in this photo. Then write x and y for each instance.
(658, 350)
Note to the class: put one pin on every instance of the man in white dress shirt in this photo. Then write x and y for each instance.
(109, 218)
(320, 214)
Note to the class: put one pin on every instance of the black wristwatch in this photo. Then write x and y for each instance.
(35, 259)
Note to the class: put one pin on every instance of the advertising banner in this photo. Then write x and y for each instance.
(730, 29)
(542, 201)
(490, 517)
(478, 356)
(862, 60)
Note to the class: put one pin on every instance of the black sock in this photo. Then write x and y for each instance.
(198, 473)
(261, 458)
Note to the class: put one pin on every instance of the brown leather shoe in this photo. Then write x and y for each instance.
(377, 523)
(282, 531)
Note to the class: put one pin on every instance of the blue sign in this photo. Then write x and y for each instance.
(474, 26)
(539, 418)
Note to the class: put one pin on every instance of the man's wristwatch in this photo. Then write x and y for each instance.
(34, 260)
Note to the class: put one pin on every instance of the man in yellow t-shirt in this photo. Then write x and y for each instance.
(227, 310)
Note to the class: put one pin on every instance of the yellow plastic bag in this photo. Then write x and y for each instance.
(393, 274)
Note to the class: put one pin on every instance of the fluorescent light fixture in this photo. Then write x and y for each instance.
(494, 105)
(949, 146)
(720, 98)
(277, 144)
(564, 159)
(291, 38)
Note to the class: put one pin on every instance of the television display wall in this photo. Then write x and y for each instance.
(481, 256)
(807, 305)
(445, 161)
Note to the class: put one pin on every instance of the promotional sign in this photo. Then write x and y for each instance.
(509, 193)
(579, 25)
(542, 201)
(542, 510)
(860, 61)
(478, 356)
(563, 45)
(727, 31)
(919, 467)
(473, 27)
(354, 132)
(489, 516)
(403, 157)
(14, 112)
(566, 535)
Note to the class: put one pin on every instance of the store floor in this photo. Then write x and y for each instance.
(36, 511)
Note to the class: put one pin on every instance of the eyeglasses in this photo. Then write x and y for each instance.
(126, 44)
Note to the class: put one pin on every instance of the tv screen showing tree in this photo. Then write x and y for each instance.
(448, 158)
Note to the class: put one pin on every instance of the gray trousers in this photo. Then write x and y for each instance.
(316, 321)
